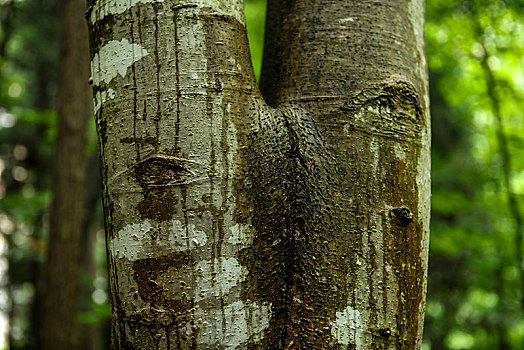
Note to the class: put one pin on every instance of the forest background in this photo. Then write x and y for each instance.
(475, 53)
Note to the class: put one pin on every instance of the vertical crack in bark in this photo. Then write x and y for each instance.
(177, 80)
(139, 25)
(134, 87)
(294, 232)
(158, 114)
(294, 143)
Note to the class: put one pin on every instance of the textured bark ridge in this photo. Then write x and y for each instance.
(295, 218)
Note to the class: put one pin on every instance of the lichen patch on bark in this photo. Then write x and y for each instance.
(114, 58)
(101, 97)
(347, 328)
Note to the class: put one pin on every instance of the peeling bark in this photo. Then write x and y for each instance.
(235, 223)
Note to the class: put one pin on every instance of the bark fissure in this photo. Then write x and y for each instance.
(134, 87)
(177, 80)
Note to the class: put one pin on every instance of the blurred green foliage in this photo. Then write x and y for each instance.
(474, 287)
(475, 282)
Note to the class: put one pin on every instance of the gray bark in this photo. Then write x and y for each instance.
(235, 223)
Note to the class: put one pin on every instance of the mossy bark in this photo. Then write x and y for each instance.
(295, 217)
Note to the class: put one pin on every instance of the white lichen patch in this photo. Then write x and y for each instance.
(142, 240)
(216, 278)
(347, 19)
(364, 114)
(103, 8)
(347, 326)
(129, 241)
(101, 97)
(115, 58)
(400, 153)
(234, 324)
(424, 188)
(183, 238)
(374, 149)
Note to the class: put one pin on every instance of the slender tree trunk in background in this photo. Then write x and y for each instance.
(231, 223)
(89, 337)
(89, 334)
(6, 28)
(511, 195)
(41, 102)
(512, 198)
(44, 78)
(504, 153)
(61, 275)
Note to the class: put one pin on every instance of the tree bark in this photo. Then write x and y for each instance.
(59, 313)
(232, 223)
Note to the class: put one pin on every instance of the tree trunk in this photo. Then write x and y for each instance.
(60, 299)
(90, 334)
(6, 27)
(232, 223)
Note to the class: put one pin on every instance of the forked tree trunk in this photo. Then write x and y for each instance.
(232, 223)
